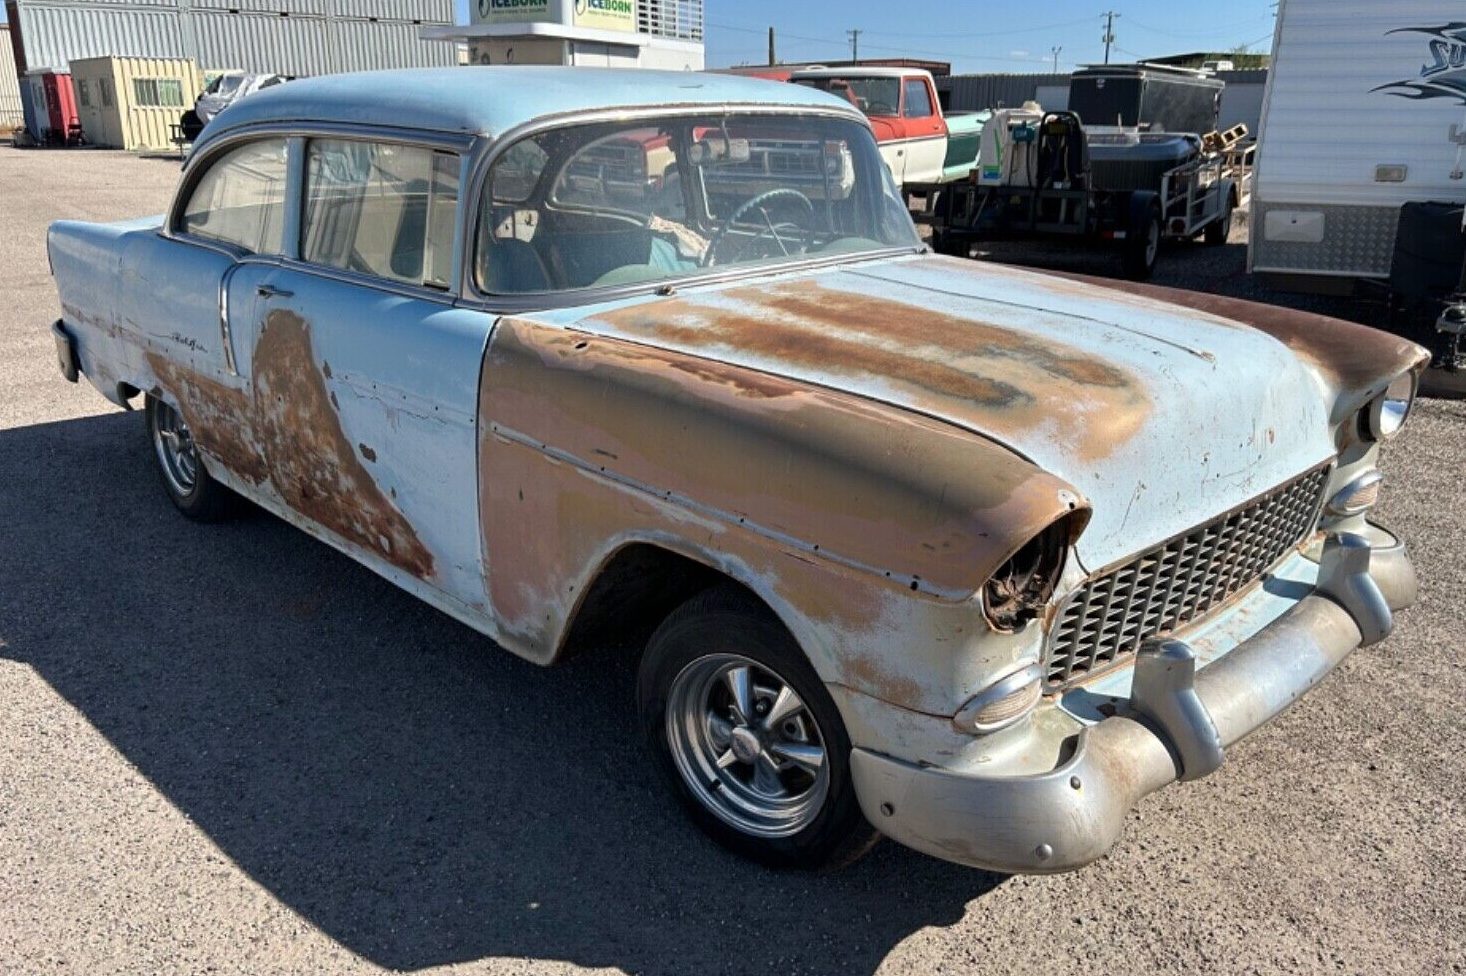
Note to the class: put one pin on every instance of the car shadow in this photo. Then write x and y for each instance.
(421, 796)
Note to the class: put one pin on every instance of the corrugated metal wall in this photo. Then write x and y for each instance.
(973, 93)
(12, 112)
(297, 37)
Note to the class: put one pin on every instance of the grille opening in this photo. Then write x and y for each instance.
(1104, 622)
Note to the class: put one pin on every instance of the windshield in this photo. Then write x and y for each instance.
(873, 96)
(627, 202)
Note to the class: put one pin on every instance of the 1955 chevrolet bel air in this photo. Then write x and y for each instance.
(964, 555)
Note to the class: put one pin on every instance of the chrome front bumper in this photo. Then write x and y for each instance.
(1178, 723)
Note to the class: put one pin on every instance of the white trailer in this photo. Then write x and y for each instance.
(1364, 113)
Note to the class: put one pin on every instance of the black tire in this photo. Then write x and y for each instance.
(201, 498)
(951, 246)
(712, 626)
(1219, 231)
(1143, 242)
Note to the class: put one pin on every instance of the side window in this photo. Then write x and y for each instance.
(381, 209)
(918, 99)
(241, 199)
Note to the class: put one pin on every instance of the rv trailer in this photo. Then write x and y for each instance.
(1360, 160)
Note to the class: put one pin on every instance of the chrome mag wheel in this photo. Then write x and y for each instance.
(747, 745)
(176, 451)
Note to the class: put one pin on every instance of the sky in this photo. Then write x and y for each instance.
(979, 35)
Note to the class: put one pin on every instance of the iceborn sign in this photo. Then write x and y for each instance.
(1444, 74)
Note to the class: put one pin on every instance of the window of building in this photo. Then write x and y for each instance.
(84, 93)
(918, 99)
(106, 86)
(157, 92)
(240, 199)
(381, 209)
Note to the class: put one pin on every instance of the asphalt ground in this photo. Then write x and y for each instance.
(229, 749)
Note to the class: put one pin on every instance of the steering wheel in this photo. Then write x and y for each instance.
(710, 256)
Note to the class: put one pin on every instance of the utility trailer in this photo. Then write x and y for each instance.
(1043, 175)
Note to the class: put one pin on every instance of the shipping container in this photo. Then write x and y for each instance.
(12, 110)
(53, 106)
(296, 37)
(134, 103)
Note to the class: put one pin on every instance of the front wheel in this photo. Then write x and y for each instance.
(748, 738)
(188, 483)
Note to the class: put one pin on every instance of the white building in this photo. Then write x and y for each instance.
(601, 33)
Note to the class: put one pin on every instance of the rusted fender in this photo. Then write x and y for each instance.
(749, 462)
(1355, 362)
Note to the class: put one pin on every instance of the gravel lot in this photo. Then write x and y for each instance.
(229, 749)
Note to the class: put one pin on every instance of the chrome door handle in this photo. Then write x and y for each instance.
(270, 291)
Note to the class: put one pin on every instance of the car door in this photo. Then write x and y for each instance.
(190, 292)
(365, 372)
(926, 132)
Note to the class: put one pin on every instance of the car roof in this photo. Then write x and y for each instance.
(859, 71)
(484, 100)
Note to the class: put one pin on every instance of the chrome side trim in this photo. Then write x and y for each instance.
(226, 337)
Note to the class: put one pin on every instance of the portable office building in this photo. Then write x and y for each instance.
(134, 103)
(1364, 116)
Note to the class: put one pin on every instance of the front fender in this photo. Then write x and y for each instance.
(871, 525)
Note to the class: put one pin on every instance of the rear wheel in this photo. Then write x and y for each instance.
(748, 738)
(1143, 243)
(188, 483)
(1219, 231)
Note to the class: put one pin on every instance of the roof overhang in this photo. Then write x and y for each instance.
(540, 31)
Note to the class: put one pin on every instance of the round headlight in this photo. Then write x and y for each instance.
(1387, 413)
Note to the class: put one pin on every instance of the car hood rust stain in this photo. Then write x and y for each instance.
(932, 361)
(312, 463)
(1104, 390)
(1354, 360)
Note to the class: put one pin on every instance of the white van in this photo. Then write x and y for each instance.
(1364, 114)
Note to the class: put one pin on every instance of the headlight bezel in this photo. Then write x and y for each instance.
(1385, 416)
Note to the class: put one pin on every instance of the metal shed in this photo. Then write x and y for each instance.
(973, 93)
(133, 103)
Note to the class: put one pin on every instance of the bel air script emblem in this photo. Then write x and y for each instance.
(1444, 73)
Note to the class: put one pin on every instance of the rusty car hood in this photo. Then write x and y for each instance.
(1161, 416)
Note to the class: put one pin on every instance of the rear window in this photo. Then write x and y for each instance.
(240, 199)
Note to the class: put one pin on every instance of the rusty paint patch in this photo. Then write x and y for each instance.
(1349, 356)
(312, 464)
(218, 416)
(1005, 380)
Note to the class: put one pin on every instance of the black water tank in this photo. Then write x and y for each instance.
(1127, 162)
(1430, 250)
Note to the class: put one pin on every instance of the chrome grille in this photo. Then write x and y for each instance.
(1106, 620)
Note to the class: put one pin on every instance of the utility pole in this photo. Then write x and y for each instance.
(854, 36)
(1056, 51)
(773, 57)
(1109, 37)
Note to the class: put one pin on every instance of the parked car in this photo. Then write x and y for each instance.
(965, 555)
(924, 146)
(226, 89)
